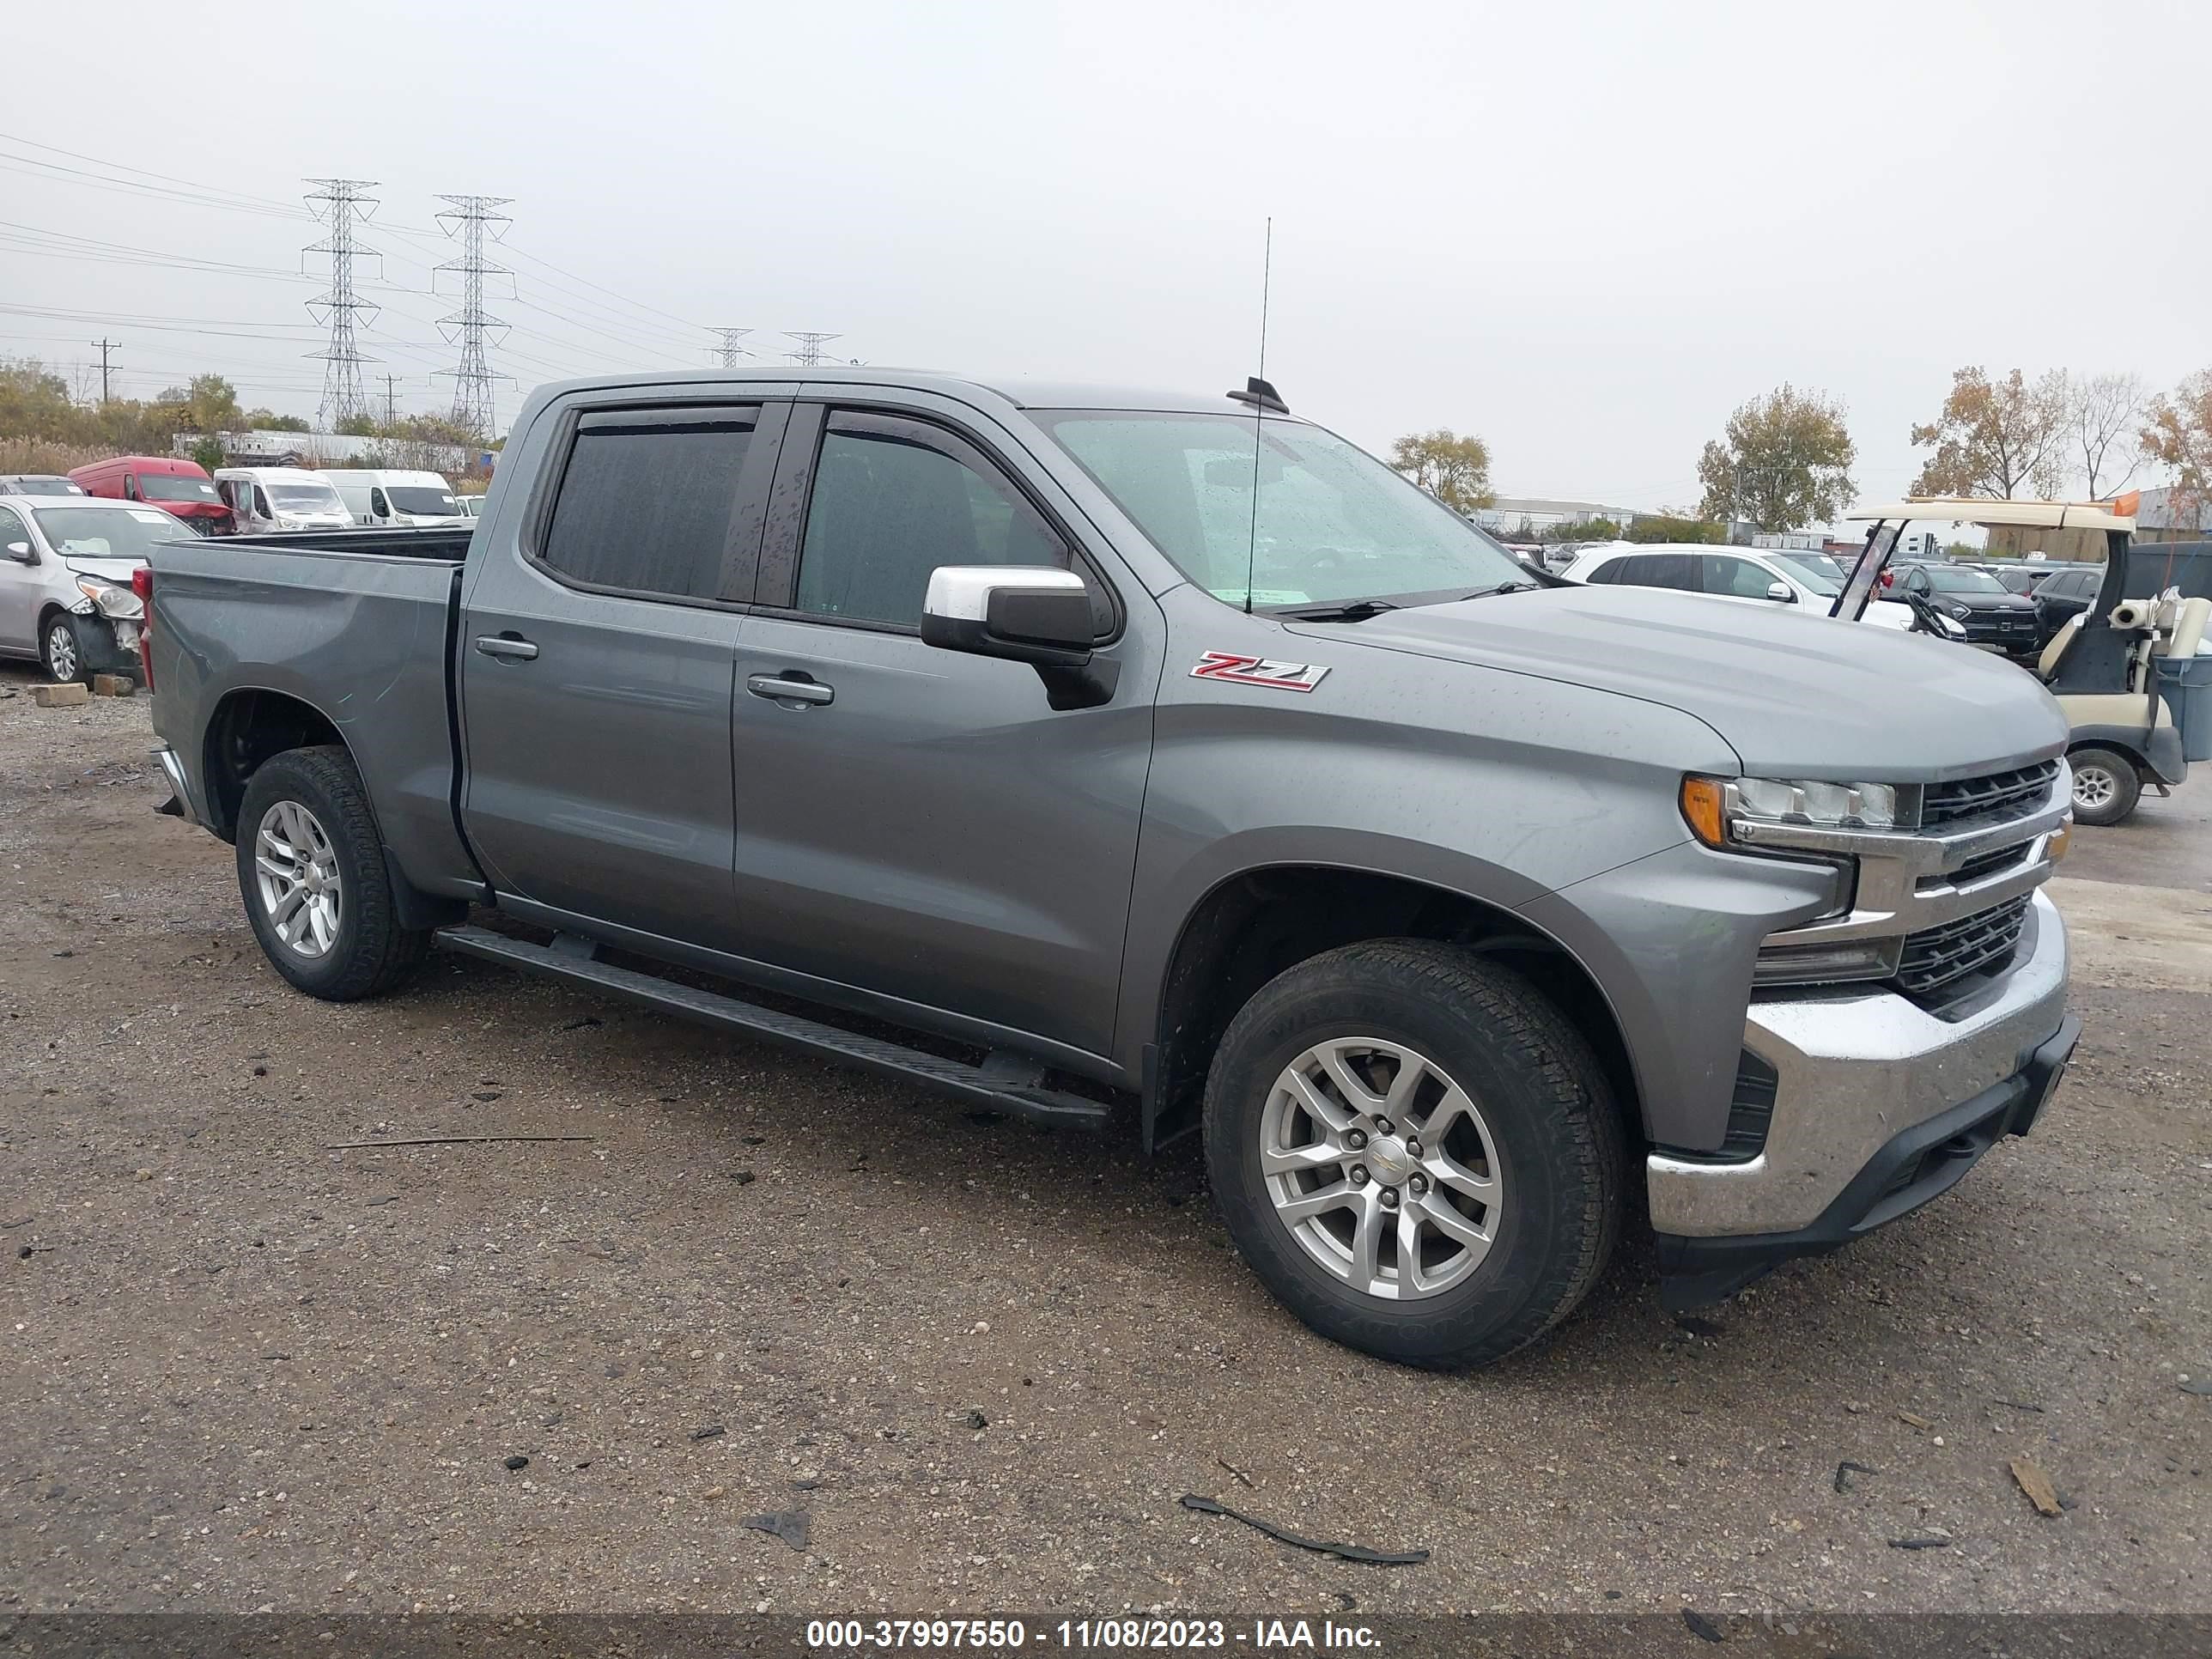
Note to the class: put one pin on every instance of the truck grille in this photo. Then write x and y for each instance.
(1997, 796)
(1935, 956)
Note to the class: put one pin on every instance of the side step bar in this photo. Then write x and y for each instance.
(1003, 1082)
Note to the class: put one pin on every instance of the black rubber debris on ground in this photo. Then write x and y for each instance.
(1920, 1543)
(1845, 1470)
(1702, 1627)
(712, 1431)
(518, 1462)
(1358, 1552)
(789, 1525)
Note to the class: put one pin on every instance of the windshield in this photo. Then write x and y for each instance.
(420, 498)
(1961, 579)
(1815, 570)
(1333, 524)
(304, 498)
(93, 532)
(171, 487)
(29, 485)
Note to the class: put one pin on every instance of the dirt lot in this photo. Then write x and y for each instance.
(244, 1369)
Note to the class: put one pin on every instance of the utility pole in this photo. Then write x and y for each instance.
(729, 351)
(808, 352)
(470, 215)
(338, 204)
(105, 346)
(391, 401)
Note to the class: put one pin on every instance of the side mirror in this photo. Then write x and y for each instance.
(20, 552)
(1036, 614)
(1782, 593)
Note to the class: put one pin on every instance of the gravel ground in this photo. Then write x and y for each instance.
(245, 1368)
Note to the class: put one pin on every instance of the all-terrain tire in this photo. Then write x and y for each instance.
(370, 952)
(1560, 1149)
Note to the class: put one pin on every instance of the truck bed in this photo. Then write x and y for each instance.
(449, 545)
(355, 625)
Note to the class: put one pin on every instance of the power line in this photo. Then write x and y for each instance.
(473, 380)
(342, 202)
(729, 351)
(808, 352)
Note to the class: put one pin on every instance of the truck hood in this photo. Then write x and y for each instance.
(1793, 695)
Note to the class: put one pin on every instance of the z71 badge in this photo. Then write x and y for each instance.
(1258, 670)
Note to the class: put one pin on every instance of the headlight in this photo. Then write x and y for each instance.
(109, 600)
(1960, 612)
(1709, 805)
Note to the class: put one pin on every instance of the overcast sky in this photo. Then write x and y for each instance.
(1584, 231)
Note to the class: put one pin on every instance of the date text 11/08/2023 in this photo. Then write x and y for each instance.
(1129, 1633)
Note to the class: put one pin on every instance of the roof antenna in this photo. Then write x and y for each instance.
(1259, 394)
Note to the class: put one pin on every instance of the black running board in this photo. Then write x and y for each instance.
(1004, 1083)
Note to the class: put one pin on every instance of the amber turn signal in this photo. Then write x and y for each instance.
(1701, 809)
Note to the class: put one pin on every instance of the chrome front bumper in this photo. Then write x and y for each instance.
(1854, 1071)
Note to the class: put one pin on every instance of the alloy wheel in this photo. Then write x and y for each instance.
(61, 652)
(1382, 1167)
(296, 869)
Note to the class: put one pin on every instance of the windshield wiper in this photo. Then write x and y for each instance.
(1502, 587)
(1358, 611)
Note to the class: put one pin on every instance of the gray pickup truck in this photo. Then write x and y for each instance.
(1170, 758)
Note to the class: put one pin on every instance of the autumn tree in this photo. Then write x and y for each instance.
(2001, 438)
(1453, 469)
(2178, 433)
(2103, 422)
(1784, 462)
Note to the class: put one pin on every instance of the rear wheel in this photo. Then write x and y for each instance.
(2106, 786)
(1414, 1152)
(311, 868)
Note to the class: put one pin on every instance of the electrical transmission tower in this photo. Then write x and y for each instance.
(729, 351)
(338, 202)
(808, 354)
(470, 215)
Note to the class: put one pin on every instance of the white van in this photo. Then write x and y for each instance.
(281, 498)
(381, 496)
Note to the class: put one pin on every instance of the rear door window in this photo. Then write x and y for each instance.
(1678, 570)
(647, 501)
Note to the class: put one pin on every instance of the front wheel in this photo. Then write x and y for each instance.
(67, 648)
(311, 868)
(2106, 786)
(1415, 1152)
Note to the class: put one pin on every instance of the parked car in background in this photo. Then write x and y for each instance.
(37, 483)
(1442, 902)
(1764, 575)
(2017, 578)
(2067, 591)
(65, 569)
(1993, 615)
(180, 488)
(471, 506)
(264, 498)
(394, 499)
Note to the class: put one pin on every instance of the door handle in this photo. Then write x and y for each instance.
(511, 647)
(788, 688)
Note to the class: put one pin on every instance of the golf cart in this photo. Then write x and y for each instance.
(2103, 666)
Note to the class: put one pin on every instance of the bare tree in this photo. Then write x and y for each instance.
(2105, 418)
